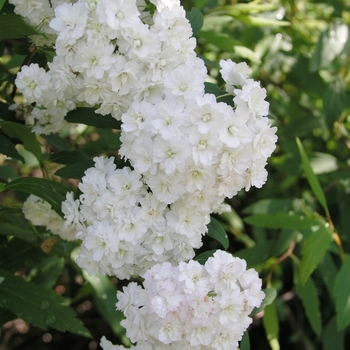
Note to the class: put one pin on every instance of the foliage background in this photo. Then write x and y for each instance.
(295, 230)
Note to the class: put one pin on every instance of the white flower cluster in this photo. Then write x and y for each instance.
(40, 213)
(191, 306)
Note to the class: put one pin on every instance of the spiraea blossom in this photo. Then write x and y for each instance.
(190, 306)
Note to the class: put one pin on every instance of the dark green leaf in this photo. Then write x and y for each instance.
(196, 20)
(216, 231)
(2, 2)
(8, 148)
(38, 306)
(203, 257)
(87, 116)
(8, 173)
(57, 142)
(270, 296)
(211, 88)
(258, 254)
(50, 191)
(75, 171)
(342, 294)
(314, 249)
(270, 206)
(23, 133)
(308, 294)
(15, 231)
(68, 157)
(5, 316)
(281, 220)
(331, 337)
(245, 342)
(47, 272)
(13, 27)
(312, 179)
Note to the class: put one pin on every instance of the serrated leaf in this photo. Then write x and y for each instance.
(195, 17)
(332, 338)
(8, 148)
(308, 294)
(104, 294)
(57, 142)
(203, 257)
(75, 171)
(13, 27)
(23, 133)
(341, 294)
(87, 116)
(281, 220)
(312, 179)
(15, 231)
(244, 344)
(216, 231)
(38, 306)
(50, 191)
(271, 326)
(270, 296)
(314, 249)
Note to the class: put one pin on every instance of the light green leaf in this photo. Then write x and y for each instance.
(15, 231)
(75, 171)
(308, 294)
(52, 192)
(246, 53)
(312, 179)
(8, 148)
(196, 19)
(342, 294)
(38, 306)
(13, 27)
(331, 337)
(281, 220)
(216, 231)
(23, 133)
(261, 21)
(240, 8)
(105, 298)
(314, 249)
(87, 116)
(245, 342)
(330, 45)
(270, 296)
(221, 40)
(271, 326)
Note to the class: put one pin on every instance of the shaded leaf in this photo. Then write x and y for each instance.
(47, 272)
(68, 157)
(5, 316)
(314, 249)
(271, 326)
(87, 116)
(38, 306)
(23, 133)
(244, 344)
(57, 142)
(14, 27)
(75, 171)
(8, 148)
(216, 231)
(15, 231)
(258, 254)
(211, 88)
(196, 19)
(332, 338)
(8, 173)
(308, 294)
(203, 257)
(270, 206)
(341, 294)
(312, 179)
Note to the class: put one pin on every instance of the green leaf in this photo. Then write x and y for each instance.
(5, 316)
(314, 249)
(312, 179)
(216, 231)
(8, 173)
(8, 148)
(258, 254)
(196, 19)
(75, 171)
(38, 306)
(57, 142)
(331, 337)
(47, 272)
(245, 342)
(211, 88)
(13, 27)
(308, 294)
(15, 231)
(23, 133)
(87, 116)
(203, 257)
(223, 41)
(342, 294)
(104, 294)
(270, 206)
(271, 326)
(270, 296)
(329, 46)
(68, 157)
(50, 191)
(261, 21)
(2, 2)
(246, 53)
(281, 220)
(240, 8)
